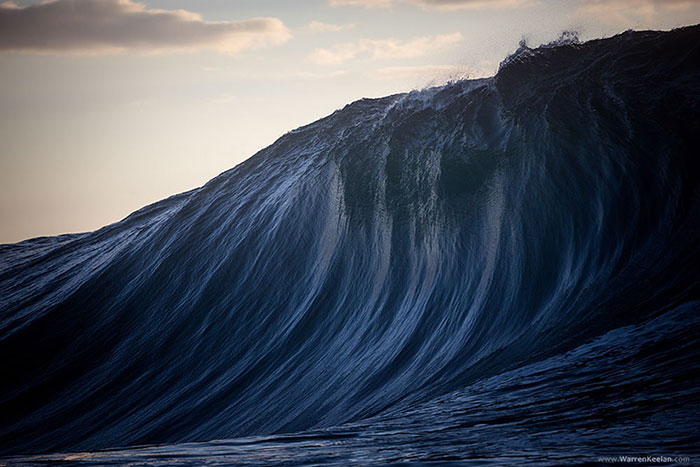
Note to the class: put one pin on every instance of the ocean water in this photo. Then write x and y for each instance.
(494, 271)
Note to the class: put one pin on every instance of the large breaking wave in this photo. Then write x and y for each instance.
(515, 247)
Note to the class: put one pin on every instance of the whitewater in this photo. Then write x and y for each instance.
(493, 271)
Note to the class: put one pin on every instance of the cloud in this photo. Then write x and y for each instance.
(362, 3)
(224, 98)
(114, 26)
(319, 26)
(434, 75)
(472, 4)
(383, 48)
(607, 5)
(631, 12)
(319, 76)
(438, 4)
(442, 73)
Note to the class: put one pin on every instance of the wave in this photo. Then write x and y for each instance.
(400, 252)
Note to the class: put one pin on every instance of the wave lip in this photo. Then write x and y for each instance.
(460, 246)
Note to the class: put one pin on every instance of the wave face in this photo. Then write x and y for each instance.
(509, 259)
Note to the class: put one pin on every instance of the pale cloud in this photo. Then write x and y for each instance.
(442, 73)
(438, 4)
(433, 75)
(362, 3)
(319, 76)
(319, 26)
(114, 26)
(379, 49)
(632, 13)
(607, 5)
(472, 4)
(224, 98)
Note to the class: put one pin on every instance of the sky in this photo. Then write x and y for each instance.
(109, 105)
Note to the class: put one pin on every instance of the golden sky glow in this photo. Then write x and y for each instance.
(108, 105)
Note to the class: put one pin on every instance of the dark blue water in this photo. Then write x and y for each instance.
(503, 270)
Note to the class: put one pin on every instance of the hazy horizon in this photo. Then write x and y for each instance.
(111, 105)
